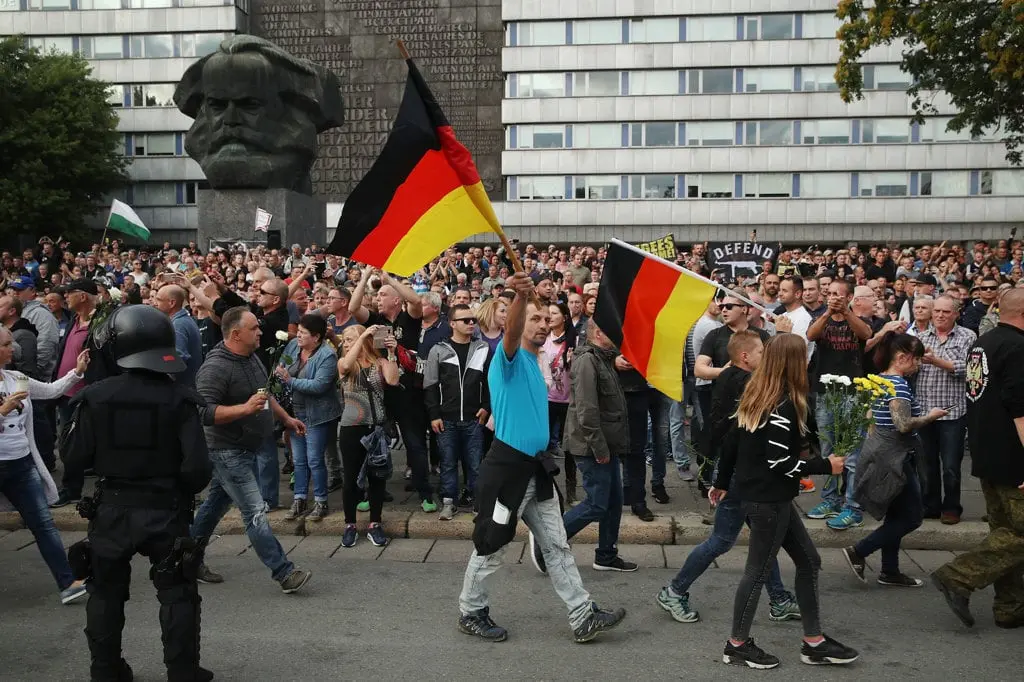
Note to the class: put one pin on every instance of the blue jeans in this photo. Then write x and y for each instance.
(461, 441)
(603, 503)
(729, 520)
(268, 475)
(308, 457)
(233, 481)
(677, 425)
(830, 491)
(903, 516)
(940, 464)
(20, 483)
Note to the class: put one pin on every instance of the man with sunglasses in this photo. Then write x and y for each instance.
(988, 294)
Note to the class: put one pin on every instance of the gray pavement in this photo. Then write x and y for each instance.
(391, 614)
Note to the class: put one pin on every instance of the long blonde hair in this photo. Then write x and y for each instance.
(486, 312)
(368, 355)
(782, 374)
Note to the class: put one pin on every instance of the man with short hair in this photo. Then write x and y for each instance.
(922, 307)
(770, 288)
(577, 316)
(925, 284)
(973, 312)
(545, 287)
(791, 292)
(339, 317)
(812, 298)
(170, 300)
(24, 334)
(43, 320)
(580, 271)
(697, 394)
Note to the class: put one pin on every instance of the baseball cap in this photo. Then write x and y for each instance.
(86, 286)
(23, 282)
(927, 278)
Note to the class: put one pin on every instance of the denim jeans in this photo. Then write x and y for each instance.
(641, 406)
(729, 520)
(268, 475)
(677, 426)
(939, 465)
(233, 481)
(545, 520)
(903, 516)
(20, 483)
(603, 503)
(461, 441)
(308, 458)
(830, 491)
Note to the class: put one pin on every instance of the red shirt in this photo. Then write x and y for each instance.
(76, 341)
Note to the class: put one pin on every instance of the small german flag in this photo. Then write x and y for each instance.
(421, 195)
(647, 306)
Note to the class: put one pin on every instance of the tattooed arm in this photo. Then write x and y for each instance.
(901, 416)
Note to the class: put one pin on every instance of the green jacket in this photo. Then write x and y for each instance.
(596, 421)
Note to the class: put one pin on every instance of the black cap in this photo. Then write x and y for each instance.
(87, 286)
(926, 278)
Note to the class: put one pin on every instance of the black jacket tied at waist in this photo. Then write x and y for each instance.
(504, 475)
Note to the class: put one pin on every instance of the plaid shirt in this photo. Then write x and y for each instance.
(935, 386)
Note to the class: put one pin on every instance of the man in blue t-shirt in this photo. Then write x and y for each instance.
(519, 403)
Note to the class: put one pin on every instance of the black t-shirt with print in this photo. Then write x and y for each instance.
(716, 344)
(838, 351)
(406, 329)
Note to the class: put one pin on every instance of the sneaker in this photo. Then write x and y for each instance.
(829, 652)
(64, 499)
(375, 534)
(466, 500)
(780, 612)
(537, 556)
(597, 622)
(750, 655)
(825, 509)
(447, 509)
(899, 580)
(479, 624)
(659, 494)
(319, 511)
(298, 510)
(295, 580)
(617, 564)
(958, 603)
(363, 506)
(208, 577)
(685, 475)
(856, 562)
(643, 513)
(334, 484)
(848, 518)
(72, 593)
(429, 506)
(806, 486)
(349, 537)
(408, 473)
(677, 606)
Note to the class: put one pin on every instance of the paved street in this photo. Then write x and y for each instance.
(391, 614)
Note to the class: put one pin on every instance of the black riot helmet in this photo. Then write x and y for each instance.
(142, 337)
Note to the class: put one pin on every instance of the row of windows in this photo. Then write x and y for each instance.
(734, 133)
(153, 144)
(768, 185)
(696, 81)
(150, 194)
(143, 46)
(141, 95)
(45, 5)
(672, 29)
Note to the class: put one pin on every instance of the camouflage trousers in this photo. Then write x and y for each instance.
(999, 559)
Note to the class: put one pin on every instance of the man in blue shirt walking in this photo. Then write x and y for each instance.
(170, 300)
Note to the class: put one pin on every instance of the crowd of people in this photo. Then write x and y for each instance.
(345, 359)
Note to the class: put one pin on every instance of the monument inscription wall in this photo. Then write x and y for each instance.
(455, 43)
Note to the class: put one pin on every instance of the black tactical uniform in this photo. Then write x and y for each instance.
(141, 433)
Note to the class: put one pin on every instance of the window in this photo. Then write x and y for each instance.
(192, 189)
(945, 183)
(596, 135)
(597, 187)
(102, 47)
(48, 4)
(885, 77)
(115, 95)
(99, 4)
(885, 131)
(934, 130)
(541, 85)
(777, 27)
(767, 185)
(155, 194)
(654, 83)
(709, 186)
(9, 6)
(652, 187)
(710, 134)
(653, 135)
(711, 81)
(884, 184)
(204, 3)
(60, 44)
(595, 83)
(821, 25)
(826, 131)
(664, 30)
(824, 185)
(151, 4)
(542, 187)
(200, 44)
(152, 46)
(769, 132)
(1002, 183)
(701, 29)
(541, 137)
(153, 95)
(768, 80)
(818, 79)
(596, 32)
(541, 33)
(153, 144)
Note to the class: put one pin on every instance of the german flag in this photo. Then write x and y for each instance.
(421, 195)
(647, 307)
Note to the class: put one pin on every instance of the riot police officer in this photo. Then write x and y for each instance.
(140, 431)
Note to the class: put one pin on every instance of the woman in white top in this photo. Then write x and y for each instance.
(25, 484)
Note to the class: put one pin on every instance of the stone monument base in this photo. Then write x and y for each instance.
(230, 215)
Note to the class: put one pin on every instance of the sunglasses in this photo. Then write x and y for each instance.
(267, 293)
(730, 306)
(988, 288)
(467, 320)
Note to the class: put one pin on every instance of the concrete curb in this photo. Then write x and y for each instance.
(681, 528)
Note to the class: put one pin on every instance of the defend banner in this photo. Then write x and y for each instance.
(740, 259)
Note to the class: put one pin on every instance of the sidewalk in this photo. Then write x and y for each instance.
(677, 523)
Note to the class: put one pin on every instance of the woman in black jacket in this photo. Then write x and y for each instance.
(765, 450)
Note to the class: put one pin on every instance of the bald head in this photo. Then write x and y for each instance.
(169, 299)
(1011, 308)
(389, 303)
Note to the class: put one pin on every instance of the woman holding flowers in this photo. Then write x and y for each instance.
(887, 484)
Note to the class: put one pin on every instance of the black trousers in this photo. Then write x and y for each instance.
(118, 533)
(353, 454)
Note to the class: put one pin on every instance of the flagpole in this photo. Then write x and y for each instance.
(694, 275)
(103, 239)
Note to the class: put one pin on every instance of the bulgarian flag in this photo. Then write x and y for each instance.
(421, 195)
(647, 306)
(124, 219)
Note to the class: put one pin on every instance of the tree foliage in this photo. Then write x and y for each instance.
(60, 149)
(971, 49)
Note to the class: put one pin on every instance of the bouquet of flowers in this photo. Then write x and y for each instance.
(851, 410)
(275, 386)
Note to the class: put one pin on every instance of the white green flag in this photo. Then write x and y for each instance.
(124, 219)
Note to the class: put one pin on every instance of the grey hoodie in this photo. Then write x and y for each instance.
(227, 379)
(48, 336)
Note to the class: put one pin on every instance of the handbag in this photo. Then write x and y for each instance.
(378, 462)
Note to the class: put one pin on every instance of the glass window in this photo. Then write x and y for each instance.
(47, 4)
(102, 47)
(200, 44)
(597, 135)
(99, 4)
(768, 80)
(885, 130)
(152, 46)
(596, 32)
(659, 134)
(818, 79)
(62, 44)
(821, 25)
(155, 194)
(115, 95)
(709, 186)
(934, 130)
(767, 185)
(826, 131)
(154, 144)
(775, 132)
(824, 185)
(945, 183)
(652, 187)
(884, 184)
(664, 30)
(596, 83)
(153, 95)
(9, 6)
(541, 137)
(1007, 182)
(151, 4)
(710, 134)
(542, 187)
(777, 27)
(654, 83)
(885, 77)
(541, 33)
(541, 85)
(715, 81)
(597, 187)
(700, 29)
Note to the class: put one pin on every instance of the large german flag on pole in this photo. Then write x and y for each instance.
(421, 195)
(647, 306)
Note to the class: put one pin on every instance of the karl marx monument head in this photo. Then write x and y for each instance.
(257, 112)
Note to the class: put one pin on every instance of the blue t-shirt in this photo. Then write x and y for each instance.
(519, 401)
(880, 410)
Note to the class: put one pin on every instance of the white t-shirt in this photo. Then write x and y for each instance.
(801, 320)
(13, 428)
